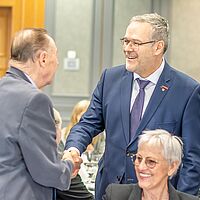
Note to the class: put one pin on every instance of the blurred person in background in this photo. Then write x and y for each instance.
(58, 123)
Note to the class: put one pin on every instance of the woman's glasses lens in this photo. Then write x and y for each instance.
(150, 163)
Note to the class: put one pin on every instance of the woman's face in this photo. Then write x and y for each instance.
(151, 178)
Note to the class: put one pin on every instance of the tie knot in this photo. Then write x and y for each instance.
(142, 83)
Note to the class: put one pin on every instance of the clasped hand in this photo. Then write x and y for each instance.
(74, 156)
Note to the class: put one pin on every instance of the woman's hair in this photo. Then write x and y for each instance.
(172, 146)
(80, 108)
(159, 25)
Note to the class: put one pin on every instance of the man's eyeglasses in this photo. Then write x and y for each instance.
(150, 162)
(134, 44)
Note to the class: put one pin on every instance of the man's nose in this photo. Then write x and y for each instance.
(129, 47)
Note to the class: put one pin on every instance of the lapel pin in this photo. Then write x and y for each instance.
(164, 88)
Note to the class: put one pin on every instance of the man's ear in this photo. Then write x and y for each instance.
(159, 47)
(43, 55)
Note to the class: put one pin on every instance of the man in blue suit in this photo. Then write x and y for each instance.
(172, 102)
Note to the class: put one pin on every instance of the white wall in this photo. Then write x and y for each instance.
(184, 51)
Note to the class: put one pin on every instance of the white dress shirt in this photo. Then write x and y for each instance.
(153, 78)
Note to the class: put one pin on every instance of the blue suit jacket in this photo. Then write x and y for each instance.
(176, 109)
(29, 163)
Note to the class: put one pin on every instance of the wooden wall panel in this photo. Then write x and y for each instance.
(33, 13)
(16, 15)
(5, 18)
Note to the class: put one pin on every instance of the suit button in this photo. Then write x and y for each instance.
(128, 154)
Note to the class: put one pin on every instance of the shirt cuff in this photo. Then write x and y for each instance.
(74, 148)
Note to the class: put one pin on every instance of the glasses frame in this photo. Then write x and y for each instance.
(149, 162)
(134, 43)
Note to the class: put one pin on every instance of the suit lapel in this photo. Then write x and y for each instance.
(136, 193)
(125, 98)
(172, 193)
(161, 89)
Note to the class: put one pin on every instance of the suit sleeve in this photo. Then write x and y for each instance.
(38, 145)
(91, 123)
(189, 179)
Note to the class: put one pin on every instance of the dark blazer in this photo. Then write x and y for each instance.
(76, 191)
(134, 192)
(29, 163)
(174, 106)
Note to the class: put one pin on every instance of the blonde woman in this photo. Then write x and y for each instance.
(78, 110)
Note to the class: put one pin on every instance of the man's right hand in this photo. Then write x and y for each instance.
(74, 156)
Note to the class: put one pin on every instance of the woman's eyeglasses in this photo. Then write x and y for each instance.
(150, 162)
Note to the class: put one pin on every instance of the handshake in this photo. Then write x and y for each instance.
(75, 158)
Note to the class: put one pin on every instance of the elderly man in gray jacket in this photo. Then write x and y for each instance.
(29, 164)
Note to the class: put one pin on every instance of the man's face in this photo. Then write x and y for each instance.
(52, 61)
(139, 59)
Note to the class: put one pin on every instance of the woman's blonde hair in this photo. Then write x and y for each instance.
(80, 108)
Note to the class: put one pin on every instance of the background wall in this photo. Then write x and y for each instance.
(73, 31)
(184, 52)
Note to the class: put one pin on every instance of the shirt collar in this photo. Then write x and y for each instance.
(153, 78)
(29, 78)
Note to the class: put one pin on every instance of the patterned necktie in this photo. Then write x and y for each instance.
(136, 111)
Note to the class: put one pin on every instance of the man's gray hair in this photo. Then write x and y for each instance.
(172, 146)
(159, 25)
(27, 43)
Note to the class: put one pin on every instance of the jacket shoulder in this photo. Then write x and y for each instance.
(115, 69)
(115, 73)
(183, 77)
(120, 191)
(184, 196)
(178, 195)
